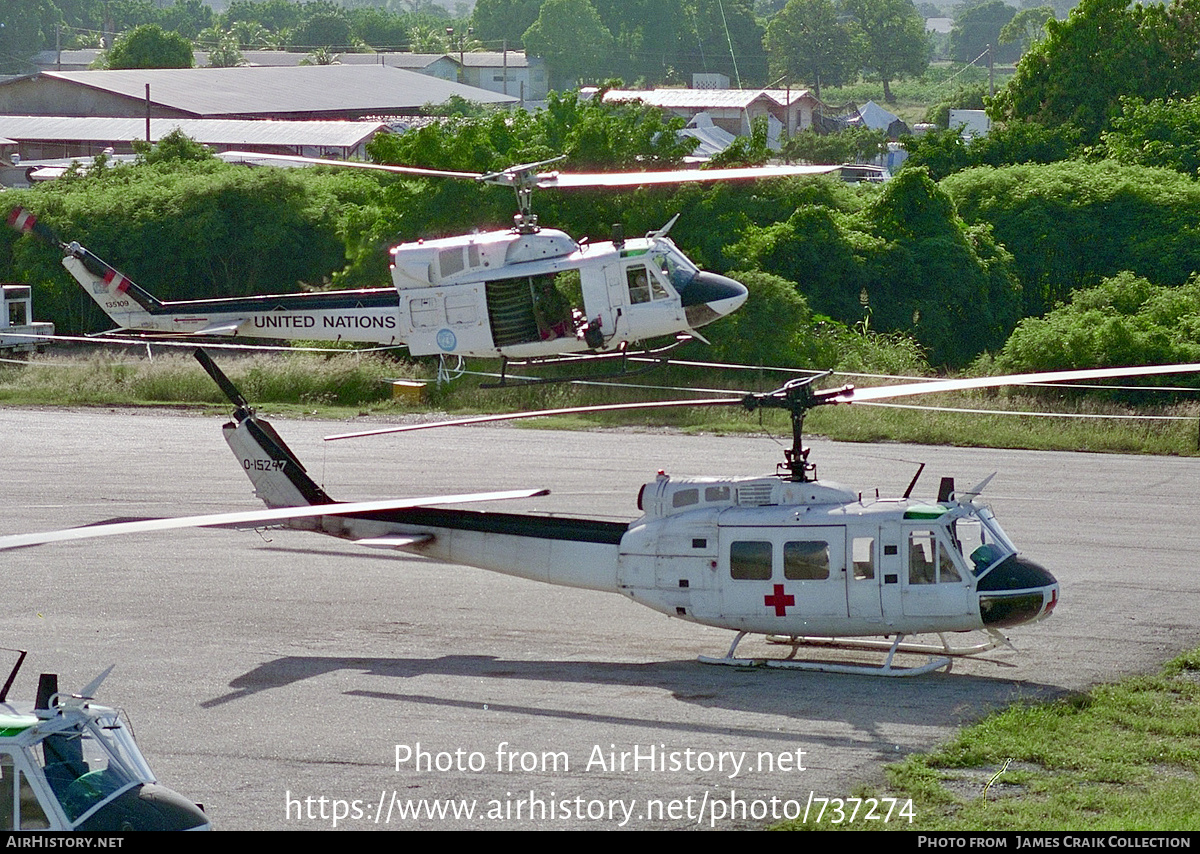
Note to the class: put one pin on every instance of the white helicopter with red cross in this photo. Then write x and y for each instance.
(803, 561)
(524, 293)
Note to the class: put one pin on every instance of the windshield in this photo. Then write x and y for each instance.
(678, 269)
(89, 765)
(980, 540)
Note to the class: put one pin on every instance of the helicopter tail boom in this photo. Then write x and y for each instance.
(574, 552)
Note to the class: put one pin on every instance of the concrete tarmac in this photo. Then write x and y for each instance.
(291, 681)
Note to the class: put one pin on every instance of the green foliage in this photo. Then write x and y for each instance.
(1159, 133)
(903, 263)
(807, 43)
(175, 146)
(572, 39)
(775, 328)
(945, 152)
(752, 150)
(893, 40)
(295, 378)
(26, 28)
(1027, 27)
(226, 54)
(499, 20)
(1070, 224)
(1106, 49)
(149, 46)
(1125, 320)
(853, 145)
(329, 30)
(979, 26)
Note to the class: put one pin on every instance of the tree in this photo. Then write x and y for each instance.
(1027, 27)
(893, 37)
(226, 54)
(187, 17)
(904, 263)
(978, 27)
(807, 43)
(572, 39)
(150, 46)
(328, 30)
(1160, 133)
(500, 20)
(1070, 224)
(1103, 51)
(26, 28)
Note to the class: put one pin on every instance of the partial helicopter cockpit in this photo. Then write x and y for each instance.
(74, 765)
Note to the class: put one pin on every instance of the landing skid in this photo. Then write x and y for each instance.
(623, 356)
(995, 640)
(940, 656)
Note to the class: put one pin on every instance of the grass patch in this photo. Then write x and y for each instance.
(1124, 756)
(346, 385)
(305, 379)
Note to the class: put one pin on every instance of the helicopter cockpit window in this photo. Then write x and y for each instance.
(973, 541)
(677, 269)
(750, 560)
(84, 769)
(929, 561)
(19, 806)
(807, 560)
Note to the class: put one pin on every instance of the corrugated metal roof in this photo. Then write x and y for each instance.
(239, 132)
(211, 92)
(706, 99)
(488, 59)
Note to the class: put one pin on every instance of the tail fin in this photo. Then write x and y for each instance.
(126, 303)
(278, 477)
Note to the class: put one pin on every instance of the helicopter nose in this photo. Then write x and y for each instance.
(1016, 591)
(147, 807)
(708, 297)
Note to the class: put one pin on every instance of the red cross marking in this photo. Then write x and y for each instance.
(780, 600)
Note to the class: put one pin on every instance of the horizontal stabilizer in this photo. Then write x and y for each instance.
(227, 327)
(254, 518)
(394, 541)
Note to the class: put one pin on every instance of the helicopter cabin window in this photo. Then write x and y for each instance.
(19, 806)
(716, 493)
(929, 561)
(644, 286)
(685, 498)
(807, 560)
(750, 560)
(863, 555)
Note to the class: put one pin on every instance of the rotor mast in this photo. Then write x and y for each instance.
(522, 179)
(797, 398)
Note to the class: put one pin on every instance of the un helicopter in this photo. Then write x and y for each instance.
(69, 764)
(524, 293)
(800, 560)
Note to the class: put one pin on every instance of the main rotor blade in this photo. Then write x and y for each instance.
(885, 392)
(254, 518)
(254, 156)
(565, 180)
(541, 413)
